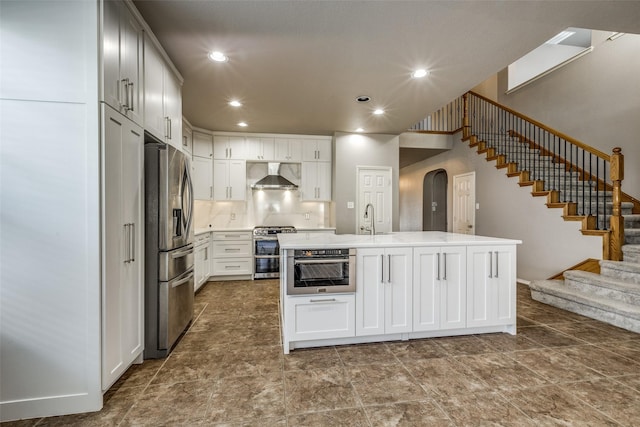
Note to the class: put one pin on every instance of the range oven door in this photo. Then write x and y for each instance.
(319, 275)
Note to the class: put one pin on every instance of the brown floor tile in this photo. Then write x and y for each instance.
(318, 390)
(464, 345)
(632, 381)
(603, 361)
(584, 331)
(548, 337)
(246, 398)
(408, 414)
(552, 406)
(619, 403)
(417, 349)
(340, 418)
(505, 342)
(366, 354)
(170, 404)
(379, 384)
(444, 377)
(500, 372)
(312, 358)
(615, 333)
(484, 409)
(554, 366)
(139, 375)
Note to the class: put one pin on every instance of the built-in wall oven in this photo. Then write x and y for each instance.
(320, 271)
(266, 250)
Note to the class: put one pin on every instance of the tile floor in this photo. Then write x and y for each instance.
(229, 370)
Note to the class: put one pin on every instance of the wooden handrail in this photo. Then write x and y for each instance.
(567, 138)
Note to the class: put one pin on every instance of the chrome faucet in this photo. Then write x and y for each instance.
(372, 228)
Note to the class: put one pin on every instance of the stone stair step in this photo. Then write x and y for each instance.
(617, 313)
(597, 284)
(621, 270)
(631, 253)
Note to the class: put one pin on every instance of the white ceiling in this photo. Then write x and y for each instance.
(299, 65)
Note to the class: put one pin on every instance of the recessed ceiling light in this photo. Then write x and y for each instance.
(378, 112)
(235, 103)
(218, 56)
(419, 73)
(243, 124)
(363, 98)
(359, 130)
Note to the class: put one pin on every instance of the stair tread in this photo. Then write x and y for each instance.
(579, 297)
(630, 267)
(602, 281)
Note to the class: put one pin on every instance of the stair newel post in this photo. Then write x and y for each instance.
(617, 221)
(466, 129)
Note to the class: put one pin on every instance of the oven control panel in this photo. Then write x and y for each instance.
(320, 253)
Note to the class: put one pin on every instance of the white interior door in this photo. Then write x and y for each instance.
(374, 186)
(464, 203)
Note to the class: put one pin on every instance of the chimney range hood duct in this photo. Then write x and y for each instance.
(274, 181)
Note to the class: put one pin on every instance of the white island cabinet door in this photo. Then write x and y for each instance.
(426, 289)
(398, 290)
(491, 286)
(453, 279)
(369, 292)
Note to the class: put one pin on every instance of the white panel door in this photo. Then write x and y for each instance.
(464, 203)
(374, 186)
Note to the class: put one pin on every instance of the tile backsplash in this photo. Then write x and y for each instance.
(264, 207)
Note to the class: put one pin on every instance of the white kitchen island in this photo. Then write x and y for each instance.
(408, 285)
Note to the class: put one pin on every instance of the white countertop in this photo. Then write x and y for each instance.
(407, 238)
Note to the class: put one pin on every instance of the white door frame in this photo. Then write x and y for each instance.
(358, 213)
(471, 205)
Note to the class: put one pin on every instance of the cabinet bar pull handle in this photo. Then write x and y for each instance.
(444, 254)
(389, 268)
(323, 300)
(382, 268)
(130, 97)
(438, 278)
(490, 265)
(133, 242)
(497, 266)
(127, 240)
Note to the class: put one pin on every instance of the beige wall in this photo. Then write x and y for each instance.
(351, 150)
(595, 99)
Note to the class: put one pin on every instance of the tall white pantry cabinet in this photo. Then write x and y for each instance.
(71, 203)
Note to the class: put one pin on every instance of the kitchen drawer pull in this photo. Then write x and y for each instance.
(320, 261)
(232, 267)
(323, 300)
(231, 249)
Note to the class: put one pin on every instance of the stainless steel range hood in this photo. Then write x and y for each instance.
(274, 181)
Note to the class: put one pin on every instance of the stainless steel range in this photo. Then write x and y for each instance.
(266, 250)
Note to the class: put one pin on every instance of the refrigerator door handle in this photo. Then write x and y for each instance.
(175, 284)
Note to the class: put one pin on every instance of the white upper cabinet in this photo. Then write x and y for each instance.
(202, 144)
(316, 181)
(229, 179)
(288, 150)
(122, 61)
(228, 147)
(260, 148)
(316, 150)
(162, 98)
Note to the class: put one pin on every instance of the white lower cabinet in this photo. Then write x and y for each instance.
(232, 253)
(202, 255)
(384, 279)
(320, 317)
(491, 294)
(439, 288)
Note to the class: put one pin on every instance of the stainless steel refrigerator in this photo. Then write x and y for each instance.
(169, 277)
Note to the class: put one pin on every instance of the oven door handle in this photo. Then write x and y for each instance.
(257, 239)
(321, 261)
